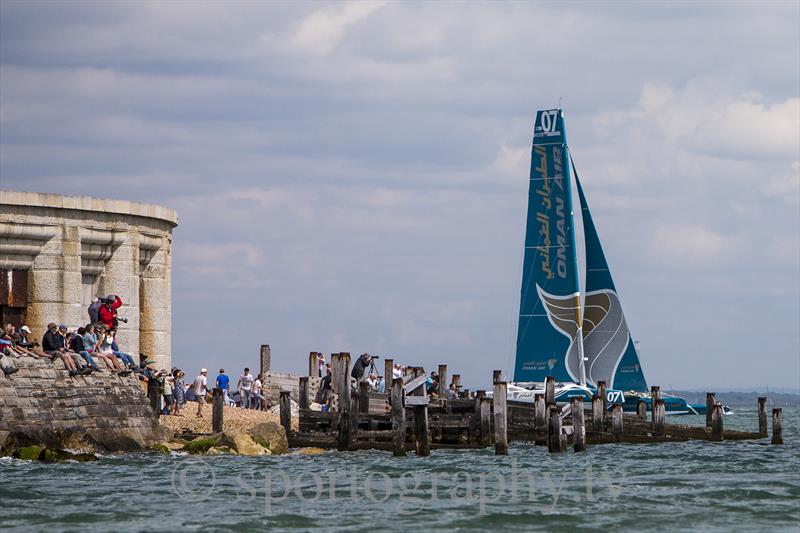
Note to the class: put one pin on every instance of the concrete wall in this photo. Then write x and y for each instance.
(42, 404)
(74, 248)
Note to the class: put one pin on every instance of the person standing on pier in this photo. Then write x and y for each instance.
(200, 387)
(245, 386)
(223, 383)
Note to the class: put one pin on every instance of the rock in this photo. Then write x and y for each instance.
(220, 450)
(60, 456)
(242, 443)
(309, 451)
(201, 444)
(272, 436)
(295, 407)
(29, 453)
(175, 445)
(160, 447)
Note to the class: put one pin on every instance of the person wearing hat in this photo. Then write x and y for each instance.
(21, 338)
(200, 388)
(108, 312)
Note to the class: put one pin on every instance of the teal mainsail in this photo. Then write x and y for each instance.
(608, 347)
(548, 340)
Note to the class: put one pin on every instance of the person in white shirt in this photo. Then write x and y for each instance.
(245, 386)
(397, 371)
(200, 386)
(257, 398)
(372, 382)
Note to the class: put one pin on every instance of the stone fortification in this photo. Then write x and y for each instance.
(41, 404)
(57, 252)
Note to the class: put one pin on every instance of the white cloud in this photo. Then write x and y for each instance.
(320, 32)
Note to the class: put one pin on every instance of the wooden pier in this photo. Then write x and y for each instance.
(405, 418)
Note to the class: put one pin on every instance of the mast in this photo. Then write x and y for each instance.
(579, 333)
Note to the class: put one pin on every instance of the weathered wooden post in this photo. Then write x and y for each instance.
(457, 382)
(342, 363)
(539, 414)
(659, 418)
(485, 409)
(550, 390)
(711, 401)
(217, 404)
(421, 431)
(313, 365)
(601, 392)
(716, 422)
(777, 429)
(265, 357)
(388, 373)
(496, 375)
(363, 395)
(398, 418)
(443, 382)
(500, 421)
(762, 416)
(285, 402)
(597, 414)
(303, 393)
(554, 440)
(616, 421)
(641, 409)
(578, 427)
(355, 413)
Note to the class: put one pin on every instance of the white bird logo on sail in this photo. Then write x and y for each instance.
(562, 312)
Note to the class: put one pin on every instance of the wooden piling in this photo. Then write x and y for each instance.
(356, 400)
(342, 364)
(363, 397)
(485, 411)
(265, 358)
(655, 394)
(597, 414)
(303, 393)
(313, 365)
(711, 401)
(578, 427)
(398, 418)
(716, 422)
(777, 428)
(285, 406)
(554, 440)
(388, 376)
(616, 421)
(496, 375)
(539, 414)
(641, 409)
(762, 416)
(217, 404)
(601, 392)
(550, 390)
(500, 420)
(457, 381)
(443, 382)
(659, 418)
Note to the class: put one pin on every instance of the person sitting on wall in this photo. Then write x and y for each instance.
(53, 345)
(80, 363)
(9, 340)
(6, 364)
(94, 310)
(22, 339)
(77, 345)
(108, 312)
(103, 350)
(126, 358)
(373, 382)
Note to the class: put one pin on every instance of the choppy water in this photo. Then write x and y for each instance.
(697, 485)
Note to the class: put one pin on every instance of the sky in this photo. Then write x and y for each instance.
(353, 176)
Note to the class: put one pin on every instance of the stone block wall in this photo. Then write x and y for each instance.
(42, 404)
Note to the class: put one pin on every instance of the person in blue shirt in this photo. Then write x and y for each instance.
(223, 382)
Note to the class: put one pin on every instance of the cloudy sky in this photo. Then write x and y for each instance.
(353, 176)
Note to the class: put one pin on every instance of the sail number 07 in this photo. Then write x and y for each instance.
(548, 120)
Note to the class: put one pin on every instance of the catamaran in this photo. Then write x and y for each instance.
(578, 345)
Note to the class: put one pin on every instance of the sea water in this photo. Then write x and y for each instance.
(725, 486)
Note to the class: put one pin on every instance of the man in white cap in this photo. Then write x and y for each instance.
(200, 388)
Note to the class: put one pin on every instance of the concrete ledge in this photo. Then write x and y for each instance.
(88, 203)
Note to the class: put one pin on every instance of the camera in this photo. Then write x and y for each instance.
(125, 320)
(373, 357)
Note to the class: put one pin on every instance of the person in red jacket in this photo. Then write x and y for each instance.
(108, 312)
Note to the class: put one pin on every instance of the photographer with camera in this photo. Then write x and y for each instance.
(108, 312)
(360, 366)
